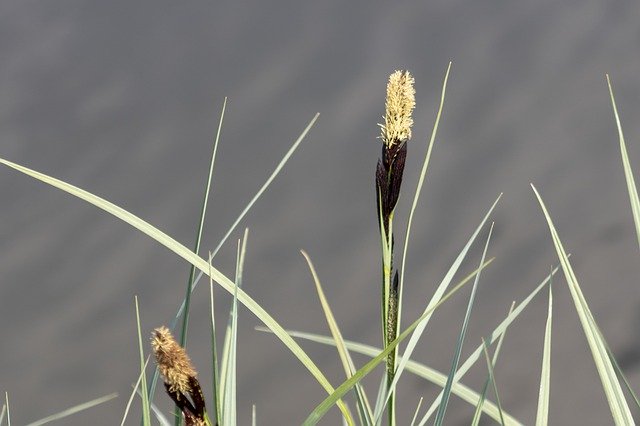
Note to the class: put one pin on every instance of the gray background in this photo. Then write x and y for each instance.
(122, 98)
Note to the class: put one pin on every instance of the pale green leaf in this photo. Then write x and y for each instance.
(458, 351)
(542, 415)
(628, 172)
(74, 410)
(146, 410)
(612, 389)
(364, 408)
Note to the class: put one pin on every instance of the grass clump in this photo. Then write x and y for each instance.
(179, 374)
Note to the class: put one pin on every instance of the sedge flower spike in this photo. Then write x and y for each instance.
(398, 108)
(179, 375)
(173, 362)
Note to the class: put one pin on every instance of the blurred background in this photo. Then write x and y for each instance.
(123, 99)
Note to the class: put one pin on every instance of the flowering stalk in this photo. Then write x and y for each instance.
(179, 376)
(396, 132)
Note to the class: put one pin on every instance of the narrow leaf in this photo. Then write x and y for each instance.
(415, 414)
(628, 173)
(347, 363)
(615, 397)
(133, 393)
(73, 410)
(6, 403)
(492, 376)
(542, 416)
(458, 351)
(215, 377)
(478, 413)
(196, 250)
(146, 411)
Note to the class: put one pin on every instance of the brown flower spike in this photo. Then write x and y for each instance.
(173, 362)
(179, 376)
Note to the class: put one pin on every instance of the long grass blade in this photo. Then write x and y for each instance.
(628, 172)
(542, 415)
(483, 395)
(215, 377)
(495, 335)
(416, 196)
(492, 376)
(621, 373)
(346, 386)
(203, 212)
(613, 391)
(6, 403)
(133, 393)
(444, 284)
(415, 414)
(146, 410)
(458, 351)
(229, 410)
(74, 410)
(347, 363)
(190, 257)
(3, 413)
(159, 415)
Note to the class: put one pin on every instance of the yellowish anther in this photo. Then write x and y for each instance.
(173, 362)
(398, 108)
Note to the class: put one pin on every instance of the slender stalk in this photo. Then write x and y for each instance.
(396, 131)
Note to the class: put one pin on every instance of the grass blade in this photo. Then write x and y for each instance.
(495, 334)
(146, 411)
(492, 376)
(621, 373)
(73, 410)
(214, 354)
(135, 389)
(347, 363)
(6, 403)
(3, 413)
(628, 173)
(478, 413)
(615, 397)
(253, 415)
(346, 386)
(416, 196)
(203, 212)
(415, 415)
(156, 412)
(229, 397)
(444, 284)
(456, 358)
(190, 257)
(542, 415)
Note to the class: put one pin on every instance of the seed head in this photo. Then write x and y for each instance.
(398, 108)
(173, 362)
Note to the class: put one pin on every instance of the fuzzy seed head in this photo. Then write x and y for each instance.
(173, 362)
(398, 108)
